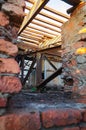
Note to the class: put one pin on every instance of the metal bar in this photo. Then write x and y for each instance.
(38, 5)
(53, 66)
(51, 77)
(22, 68)
(29, 71)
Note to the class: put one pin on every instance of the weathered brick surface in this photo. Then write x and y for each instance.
(15, 12)
(9, 65)
(20, 3)
(4, 19)
(83, 128)
(3, 102)
(60, 117)
(74, 128)
(10, 84)
(8, 48)
(22, 121)
(84, 115)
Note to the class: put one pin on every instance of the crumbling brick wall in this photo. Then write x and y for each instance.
(11, 16)
(74, 51)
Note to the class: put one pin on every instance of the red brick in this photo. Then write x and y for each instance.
(10, 84)
(83, 128)
(60, 117)
(4, 20)
(3, 102)
(8, 48)
(9, 66)
(20, 121)
(17, 2)
(84, 115)
(74, 128)
(16, 13)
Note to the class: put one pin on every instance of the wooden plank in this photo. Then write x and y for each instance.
(48, 22)
(30, 36)
(28, 45)
(46, 26)
(38, 68)
(51, 77)
(43, 30)
(48, 16)
(38, 5)
(39, 32)
(29, 40)
(52, 10)
(29, 71)
(53, 66)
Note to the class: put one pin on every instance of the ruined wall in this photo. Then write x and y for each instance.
(11, 16)
(74, 51)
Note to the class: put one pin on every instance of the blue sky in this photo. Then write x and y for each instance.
(59, 5)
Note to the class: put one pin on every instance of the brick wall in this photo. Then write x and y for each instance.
(11, 16)
(53, 119)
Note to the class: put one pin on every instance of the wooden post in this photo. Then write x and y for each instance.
(38, 68)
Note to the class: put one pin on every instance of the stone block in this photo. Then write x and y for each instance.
(8, 48)
(10, 84)
(60, 117)
(4, 19)
(9, 65)
(20, 121)
(3, 102)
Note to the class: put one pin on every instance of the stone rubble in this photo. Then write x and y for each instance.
(74, 51)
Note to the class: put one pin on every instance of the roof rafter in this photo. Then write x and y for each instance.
(38, 5)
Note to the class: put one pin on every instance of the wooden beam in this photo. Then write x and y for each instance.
(51, 77)
(39, 32)
(43, 30)
(53, 66)
(38, 68)
(29, 40)
(29, 71)
(38, 5)
(28, 45)
(48, 16)
(30, 36)
(52, 10)
(46, 26)
(48, 22)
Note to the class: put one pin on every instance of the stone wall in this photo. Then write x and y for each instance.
(11, 16)
(74, 51)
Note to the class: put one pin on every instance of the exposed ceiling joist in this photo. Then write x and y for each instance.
(29, 40)
(38, 5)
(30, 36)
(52, 10)
(48, 16)
(41, 30)
(46, 26)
